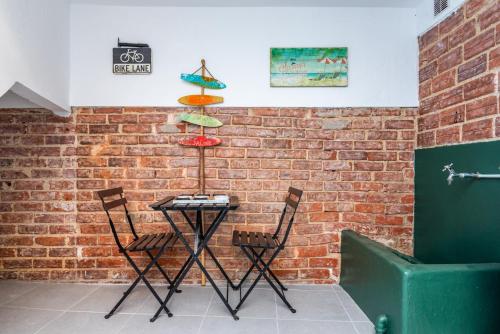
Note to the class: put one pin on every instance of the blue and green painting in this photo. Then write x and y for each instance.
(309, 67)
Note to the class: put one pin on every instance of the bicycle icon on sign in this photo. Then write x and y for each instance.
(131, 56)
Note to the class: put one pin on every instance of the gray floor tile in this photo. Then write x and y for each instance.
(364, 327)
(10, 290)
(309, 287)
(353, 310)
(106, 296)
(24, 321)
(53, 296)
(308, 327)
(262, 285)
(192, 301)
(259, 304)
(312, 305)
(138, 324)
(356, 314)
(344, 297)
(85, 323)
(319, 309)
(227, 325)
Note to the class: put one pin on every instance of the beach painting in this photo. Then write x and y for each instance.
(309, 67)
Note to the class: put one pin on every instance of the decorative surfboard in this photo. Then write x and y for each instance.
(200, 141)
(200, 100)
(203, 81)
(201, 120)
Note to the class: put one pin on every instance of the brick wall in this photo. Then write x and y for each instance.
(355, 165)
(459, 74)
(37, 195)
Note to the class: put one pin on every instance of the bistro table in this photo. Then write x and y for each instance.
(167, 205)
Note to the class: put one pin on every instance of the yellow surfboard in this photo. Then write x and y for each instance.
(200, 100)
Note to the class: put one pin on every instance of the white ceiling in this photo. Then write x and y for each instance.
(256, 3)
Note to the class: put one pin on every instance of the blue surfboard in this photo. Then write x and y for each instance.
(203, 81)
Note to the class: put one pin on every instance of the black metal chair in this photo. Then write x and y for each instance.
(145, 243)
(255, 245)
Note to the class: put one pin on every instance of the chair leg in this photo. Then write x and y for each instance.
(163, 272)
(143, 278)
(217, 263)
(279, 293)
(259, 256)
(122, 299)
(248, 272)
(262, 272)
(252, 286)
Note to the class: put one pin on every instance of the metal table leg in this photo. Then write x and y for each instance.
(194, 257)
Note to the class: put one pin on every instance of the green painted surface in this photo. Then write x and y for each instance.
(374, 277)
(420, 298)
(459, 223)
(453, 298)
(454, 286)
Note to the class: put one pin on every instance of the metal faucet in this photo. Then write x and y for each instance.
(452, 174)
(475, 175)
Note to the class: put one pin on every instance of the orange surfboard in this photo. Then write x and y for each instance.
(200, 100)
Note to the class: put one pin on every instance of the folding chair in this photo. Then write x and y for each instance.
(145, 243)
(255, 245)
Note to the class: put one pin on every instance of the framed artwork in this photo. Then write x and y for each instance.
(309, 67)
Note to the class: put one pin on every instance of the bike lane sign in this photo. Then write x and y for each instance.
(130, 60)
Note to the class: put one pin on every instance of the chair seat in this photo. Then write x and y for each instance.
(152, 241)
(254, 239)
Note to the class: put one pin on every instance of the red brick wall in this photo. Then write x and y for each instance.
(459, 74)
(355, 165)
(37, 195)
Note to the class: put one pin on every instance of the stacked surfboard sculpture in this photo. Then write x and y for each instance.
(199, 118)
(201, 100)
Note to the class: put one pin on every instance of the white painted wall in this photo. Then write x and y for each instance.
(34, 39)
(425, 14)
(235, 42)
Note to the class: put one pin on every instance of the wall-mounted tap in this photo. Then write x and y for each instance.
(475, 175)
(452, 174)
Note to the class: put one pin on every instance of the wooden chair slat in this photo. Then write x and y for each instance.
(115, 203)
(292, 203)
(136, 242)
(151, 244)
(236, 238)
(168, 238)
(146, 241)
(253, 239)
(173, 239)
(269, 240)
(110, 192)
(262, 240)
(244, 238)
(295, 191)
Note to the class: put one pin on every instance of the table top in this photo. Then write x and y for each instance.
(167, 204)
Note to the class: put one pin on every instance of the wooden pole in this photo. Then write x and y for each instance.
(202, 174)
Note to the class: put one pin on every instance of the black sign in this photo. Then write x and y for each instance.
(132, 60)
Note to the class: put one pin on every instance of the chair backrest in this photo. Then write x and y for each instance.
(287, 215)
(121, 201)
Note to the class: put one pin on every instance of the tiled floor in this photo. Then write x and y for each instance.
(44, 308)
